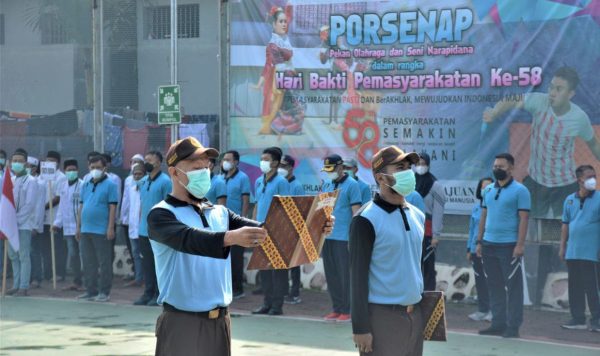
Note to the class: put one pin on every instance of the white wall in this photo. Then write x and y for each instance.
(34, 78)
(198, 63)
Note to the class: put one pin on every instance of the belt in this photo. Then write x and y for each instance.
(405, 308)
(211, 314)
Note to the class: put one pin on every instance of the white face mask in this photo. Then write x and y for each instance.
(227, 166)
(332, 175)
(265, 166)
(590, 184)
(282, 172)
(420, 170)
(96, 173)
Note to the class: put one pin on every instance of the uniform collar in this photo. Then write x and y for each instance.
(497, 185)
(388, 207)
(155, 177)
(233, 175)
(171, 200)
(293, 178)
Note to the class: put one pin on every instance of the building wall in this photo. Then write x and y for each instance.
(34, 78)
(198, 64)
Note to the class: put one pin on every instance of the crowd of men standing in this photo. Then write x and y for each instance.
(90, 201)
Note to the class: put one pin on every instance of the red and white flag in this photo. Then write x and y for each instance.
(8, 213)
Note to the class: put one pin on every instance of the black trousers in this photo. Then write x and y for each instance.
(505, 281)
(583, 283)
(237, 269)
(150, 284)
(336, 261)
(483, 293)
(128, 243)
(428, 264)
(295, 276)
(274, 286)
(96, 255)
(60, 251)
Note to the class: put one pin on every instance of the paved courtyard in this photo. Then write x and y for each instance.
(43, 326)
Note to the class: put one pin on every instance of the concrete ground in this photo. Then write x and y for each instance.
(43, 326)
(53, 322)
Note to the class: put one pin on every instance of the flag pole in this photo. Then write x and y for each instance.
(4, 266)
(50, 195)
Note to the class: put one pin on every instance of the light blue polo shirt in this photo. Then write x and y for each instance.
(265, 191)
(238, 185)
(348, 196)
(416, 199)
(96, 199)
(584, 227)
(296, 187)
(474, 228)
(503, 205)
(152, 191)
(365, 191)
(218, 189)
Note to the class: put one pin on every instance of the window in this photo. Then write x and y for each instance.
(1, 29)
(309, 18)
(158, 22)
(52, 29)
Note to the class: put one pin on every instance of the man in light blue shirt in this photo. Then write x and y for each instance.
(580, 247)
(217, 194)
(501, 242)
(238, 201)
(351, 168)
(155, 187)
(274, 282)
(335, 249)
(96, 230)
(296, 189)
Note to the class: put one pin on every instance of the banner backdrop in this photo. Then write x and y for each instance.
(462, 81)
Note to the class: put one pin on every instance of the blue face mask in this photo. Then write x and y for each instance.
(405, 182)
(72, 175)
(17, 167)
(198, 182)
(2, 162)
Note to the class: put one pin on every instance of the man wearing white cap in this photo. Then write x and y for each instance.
(125, 207)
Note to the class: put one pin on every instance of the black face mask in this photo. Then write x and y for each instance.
(500, 174)
(149, 167)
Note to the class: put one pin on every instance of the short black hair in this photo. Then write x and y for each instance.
(479, 187)
(275, 153)
(70, 162)
(3, 153)
(107, 157)
(21, 152)
(236, 154)
(157, 154)
(570, 75)
(289, 159)
(98, 158)
(54, 154)
(92, 154)
(581, 169)
(508, 157)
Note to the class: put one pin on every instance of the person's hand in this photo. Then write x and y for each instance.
(488, 115)
(34, 233)
(55, 228)
(434, 242)
(561, 253)
(328, 228)
(364, 342)
(469, 256)
(478, 250)
(245, 237)
(519, 251)
(78, 235)
(110, 233)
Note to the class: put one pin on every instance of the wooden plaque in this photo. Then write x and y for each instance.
(295, 231)
(433, 308)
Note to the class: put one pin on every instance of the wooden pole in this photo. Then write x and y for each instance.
(4, 266)
(50, 196)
